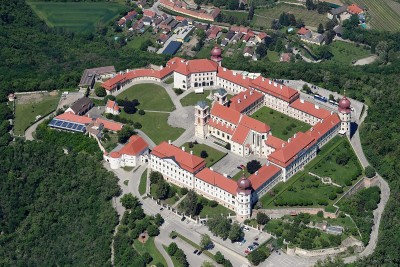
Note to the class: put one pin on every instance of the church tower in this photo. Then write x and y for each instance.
(221, 97)
(345, 115)
(201, 117)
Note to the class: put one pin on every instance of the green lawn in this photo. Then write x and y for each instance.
(77, 16)
(151, 248)
(156, 126)
(192, 98)
(111, 141)
(151, 97)
(345, 53)
(302, 187)
(241, 15)
(27, 107)
(218, 210)
(239, 175)
(282, 126)
(264, 16)
(385, 14)
(213, 154)
(205, 51)
(273, 56)
(136, 41)
(170, 80)
(143, 183)
(328, 167)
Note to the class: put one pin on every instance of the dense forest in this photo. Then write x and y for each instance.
(55, 209)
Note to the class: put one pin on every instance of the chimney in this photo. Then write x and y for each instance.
(311, 129)
(211, 169)
(251, 92)
(244, 77)
(224, 69)
(183, 148)
(290, 139)
(187, 63)
(238, 101)
(245, 97)
(302, 100)
(256, 173)
(281, 86)
(316, 106)
(295, 135)
(225, 175)
(191, 152)
(267, 163)
(269, 82)
(169, 141)
(275, 84)
(234, 73)
(331, 112)
(263, 79)
(283, 145)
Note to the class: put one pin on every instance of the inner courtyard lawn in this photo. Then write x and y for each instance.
(214, 155)
(27, 107)
(155, 125)
(151, 97)
(192, 98)
(151, 248)
(282, 126)
(76, 16)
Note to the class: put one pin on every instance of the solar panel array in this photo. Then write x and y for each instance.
(66, 125)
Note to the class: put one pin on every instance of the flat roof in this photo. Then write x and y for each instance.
(172, 48)
(88, 74)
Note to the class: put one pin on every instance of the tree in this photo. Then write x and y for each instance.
(382, 51)
(261, 50)
(262, 218)
(204, 154)
(155, 177)
(257, 256)
(172, 248)
(236, 233)
(342, 158)
(153, 230)
(130, 106)
(158, 219)
(205, 241)
(370, 171)
(145, 44)
(323, 52)
(310, 4)
(275, 24)
(184, 191)
(125, 133)
(189, 204)
(320, 214)
(129, 201)
(233, 4)
(251, 12)
(253, 166)
(227, 263)
(100, 91)
(219, 258)
(147, 257)
(320, 28)
(207, 264)
(162, 190)
(141, 112)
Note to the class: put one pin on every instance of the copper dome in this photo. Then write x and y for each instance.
(344, 104)
(216, 51)
(244, 183)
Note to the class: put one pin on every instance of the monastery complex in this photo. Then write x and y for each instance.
(229, 122)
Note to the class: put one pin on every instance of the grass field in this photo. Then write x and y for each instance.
(282, 126)
(213, 154)
(264, 16)
(76, 16)
(345, 53)
(273, 56)
(151, 248)
(143, 183)
(155, 125)
(137, 40)
(27, 107)
(192, 98)
(151, 97)
(384, 14)
(218, 210)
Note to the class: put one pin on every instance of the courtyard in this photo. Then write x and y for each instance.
(282, 126)
(213, 155)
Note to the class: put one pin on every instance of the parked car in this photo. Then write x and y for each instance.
(239, 167)
(161, 208)
(194, 252)
(256, 244)
(183, 218)
(199, 253)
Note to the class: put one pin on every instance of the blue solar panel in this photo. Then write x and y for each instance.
(74, 126)
(79, 128)
(58, 123)
(65, 123)
(52, 122)
(69, 126)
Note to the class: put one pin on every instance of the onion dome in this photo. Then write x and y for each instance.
(344, 105)
(244, 183)
(216, 53)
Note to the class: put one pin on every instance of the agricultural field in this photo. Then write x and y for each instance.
(151, 97)
(28, 106)
(77, 16)
(155, 125)
(384, 14)
(282, 126)
(264, 16)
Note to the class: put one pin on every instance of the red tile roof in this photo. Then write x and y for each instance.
(122, 21)
(286, 155)
(244, 99)
(148, 13)
(283, 92)
(179, 18)
(111, 125)
(112, 104)
(309, 108)
(275, 142)
(225, 113)
(233, 77)
(197, 65)
(303, 31)
(185, 160)
(177, 6)
(218, 180)
(240, 134)
(354, 9)
(135, 145)
(264, 174)
(322, 127)
(262, 35)
(225, 128)
(254, 124)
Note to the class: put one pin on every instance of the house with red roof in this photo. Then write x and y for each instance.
(261, 37)
(355, 9)
(149, 13)
(112, 107)
(136, 150)
(175, 164)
